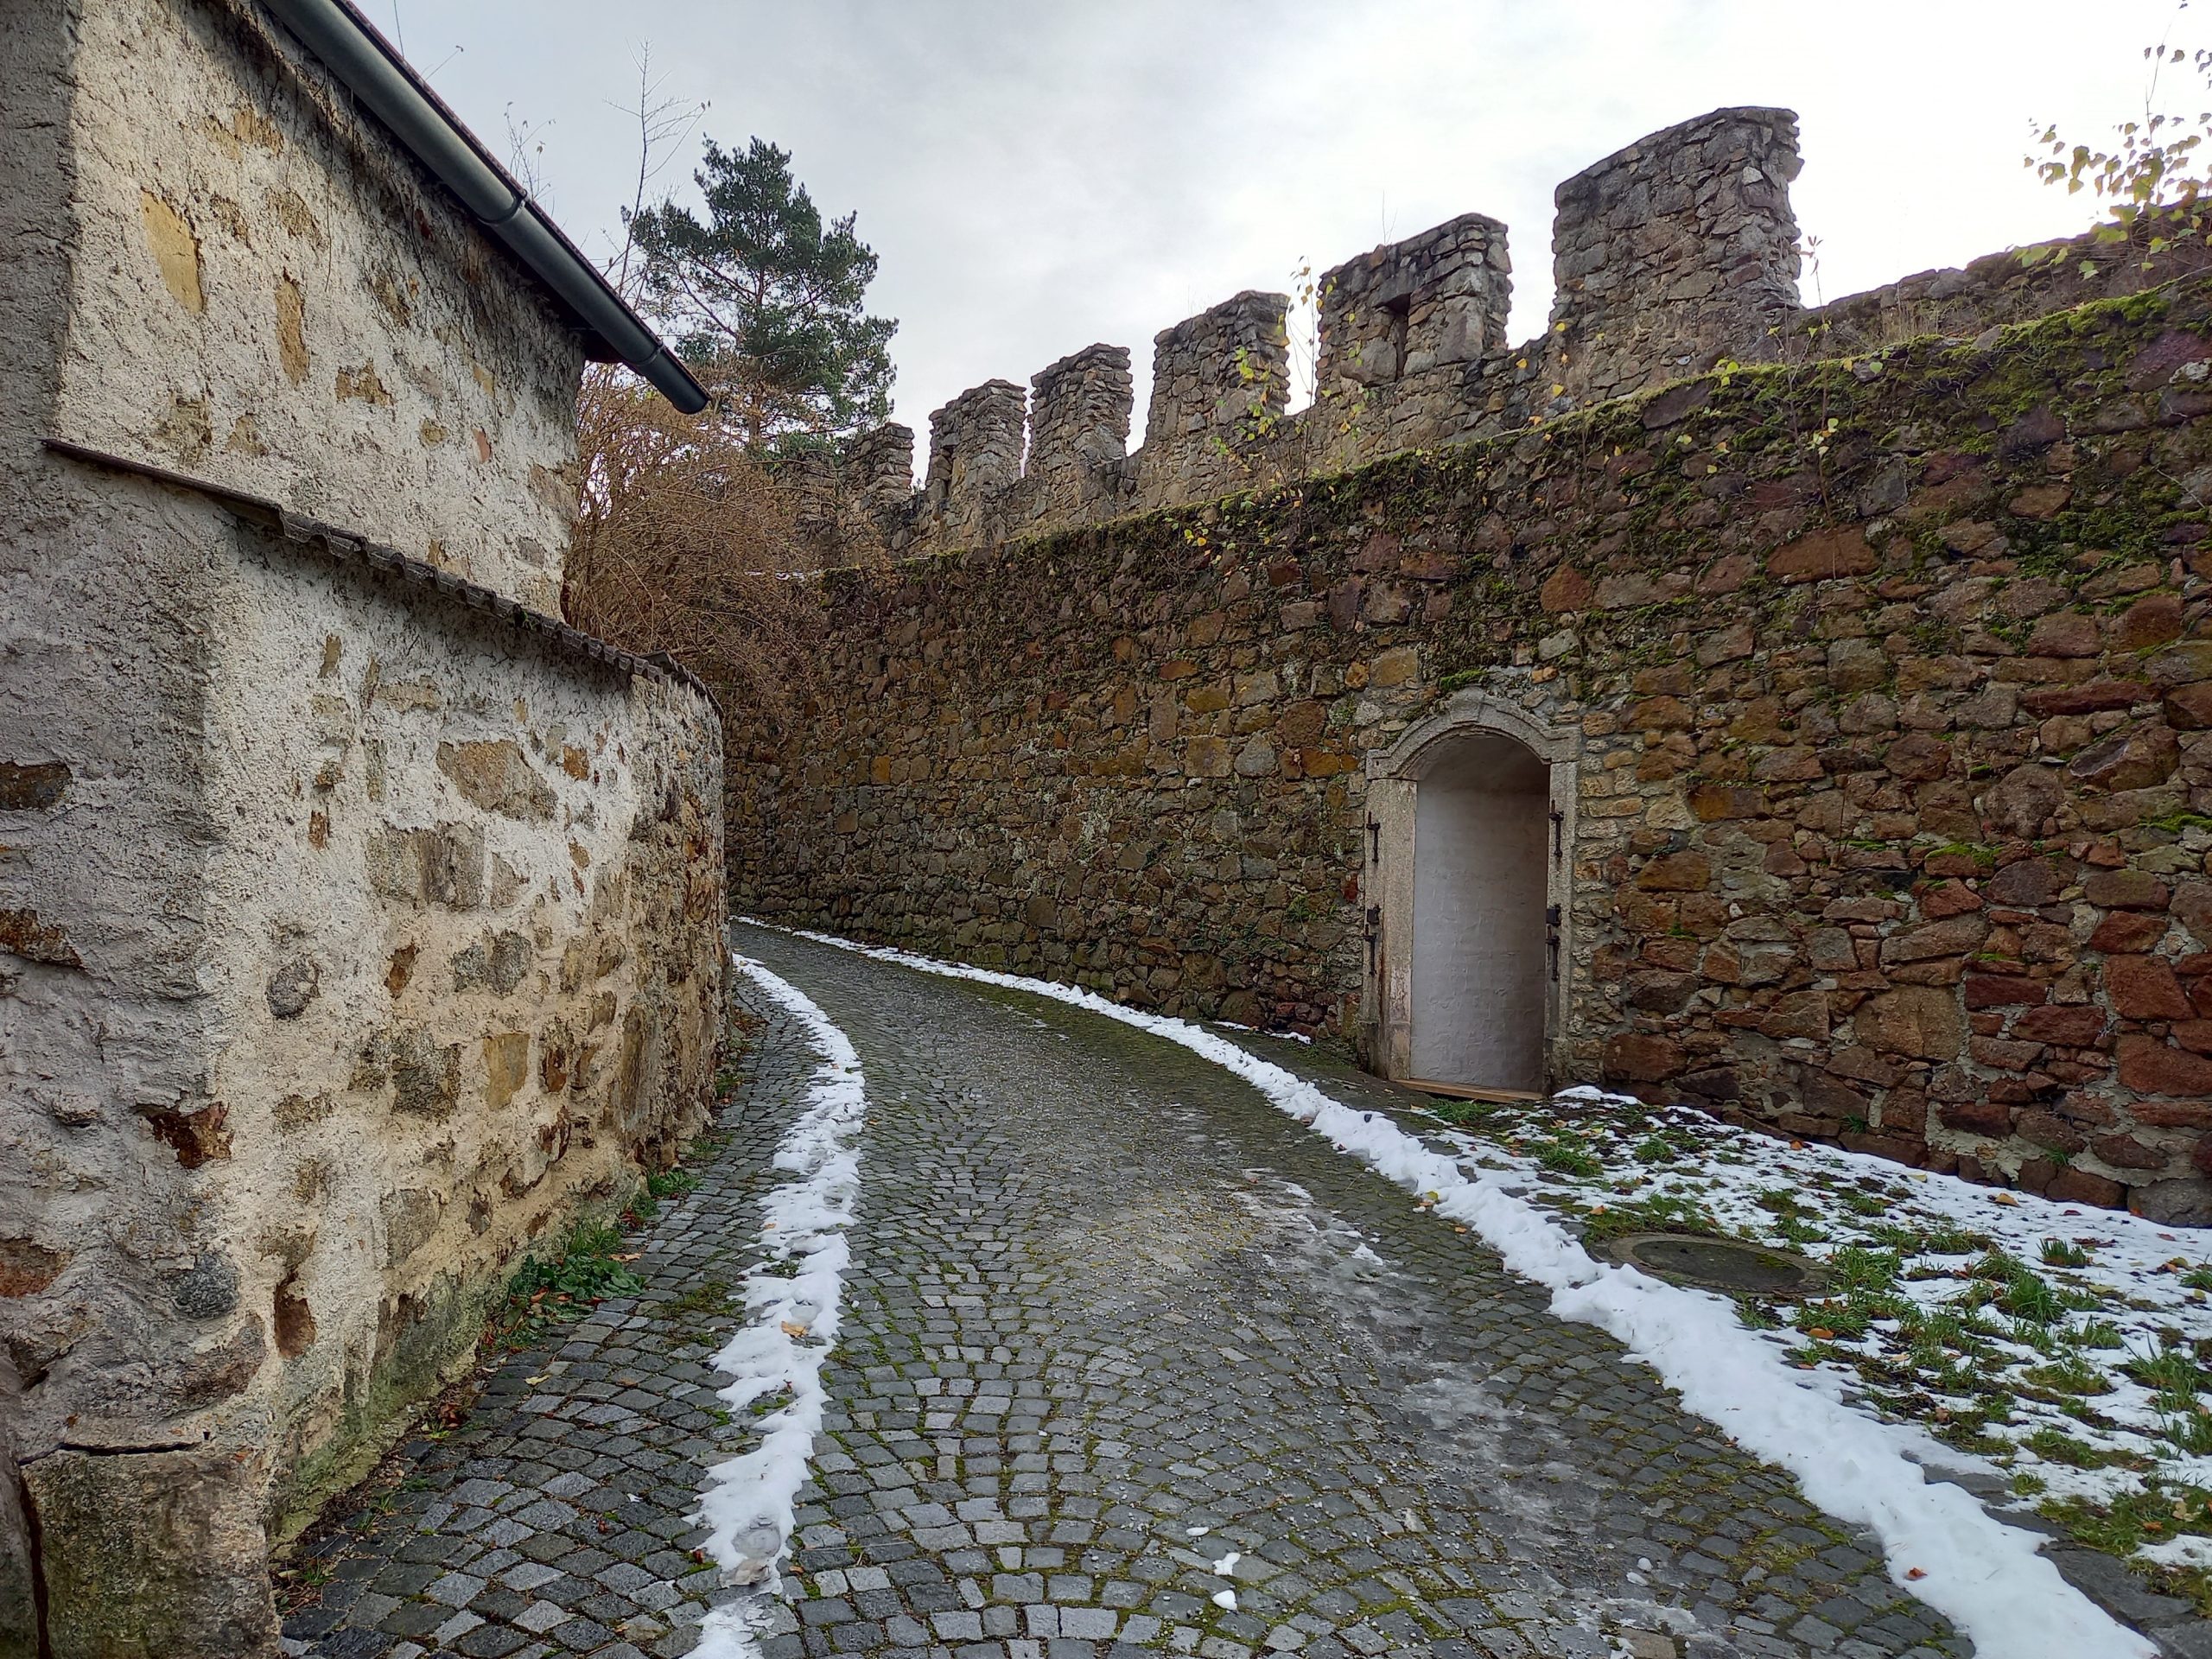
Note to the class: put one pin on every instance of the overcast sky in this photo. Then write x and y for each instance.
(1039, 175)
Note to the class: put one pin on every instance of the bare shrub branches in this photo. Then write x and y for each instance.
(684, 544)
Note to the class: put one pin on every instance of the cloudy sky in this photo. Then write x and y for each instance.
(1037, 174)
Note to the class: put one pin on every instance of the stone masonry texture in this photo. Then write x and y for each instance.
(1891, 680)
(354, 937)
(1111, 1318)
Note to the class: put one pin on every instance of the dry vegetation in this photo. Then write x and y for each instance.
(686, 543)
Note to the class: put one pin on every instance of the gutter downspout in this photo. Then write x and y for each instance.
(350, 46)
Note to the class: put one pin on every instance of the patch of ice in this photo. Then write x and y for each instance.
(794, 1299)
(1225, 1598)
(1985, 1577)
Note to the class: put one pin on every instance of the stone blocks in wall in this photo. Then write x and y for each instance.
(1674, 253)
(1893, 821)
(880, 466)
(1078, 431)
(1412, 339)
(1430, 302)
(1219, 380)
(975, 459)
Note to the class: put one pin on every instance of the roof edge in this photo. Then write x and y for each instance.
(356, 51)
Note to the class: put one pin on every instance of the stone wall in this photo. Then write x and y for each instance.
(244, 307)
(417, 955)
(1078, 433)
(359, 927)
(1888, 682)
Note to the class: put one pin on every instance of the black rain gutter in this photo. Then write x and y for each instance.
(350, 47)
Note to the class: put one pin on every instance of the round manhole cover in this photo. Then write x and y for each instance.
(1719, 1263)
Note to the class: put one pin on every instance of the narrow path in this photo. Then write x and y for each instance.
(1112, 1318)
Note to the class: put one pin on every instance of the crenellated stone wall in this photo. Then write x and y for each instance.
(975, 459)
(1885, 685)
(1669, 256)
(1219, 380)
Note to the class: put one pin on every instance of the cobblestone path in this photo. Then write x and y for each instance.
(1114, 1321)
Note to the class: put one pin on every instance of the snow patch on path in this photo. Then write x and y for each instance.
(793, 1298)
(1985, 1577)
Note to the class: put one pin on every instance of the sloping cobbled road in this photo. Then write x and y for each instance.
(1112, 1317)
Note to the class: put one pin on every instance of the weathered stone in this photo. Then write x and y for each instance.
(292, 987)
(2129, 759)
(2185, 1202)
(498, 963)
(2028, 882)
(1947, 938)
(425, 1074)
(2073, 1025)
(2021, 801)
(32, 788)
(1922, 1022)
(2072, 1186)
(1660, 993)
(2126, 933)
(1636, 1057)
(2157, 1068)
(1981, 1116)
(494, 774)
(444, 865)
(207, 1289)
(2126, 890)
(2126, 1151)
(1566, 589)
(1676, 873)
(410, 1218)
(2144, 987)
(167, 1555)
(1841, 551)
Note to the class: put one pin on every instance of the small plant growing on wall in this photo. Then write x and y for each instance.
(2153, 176)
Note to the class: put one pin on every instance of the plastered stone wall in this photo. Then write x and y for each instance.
(268, 293)
(354, 937)
(1894, 793)
(427, 960)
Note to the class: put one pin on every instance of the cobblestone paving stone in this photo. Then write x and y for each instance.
(559, 1517)
(1105, 1296)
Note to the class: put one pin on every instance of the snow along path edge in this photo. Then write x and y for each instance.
(1985, 1577)
(794, 1298)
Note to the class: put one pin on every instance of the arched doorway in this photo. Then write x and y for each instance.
(1469, 828)
(1480, 825)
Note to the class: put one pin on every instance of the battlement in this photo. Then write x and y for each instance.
(1668, 256)
(1079, 428)
(1674, 253)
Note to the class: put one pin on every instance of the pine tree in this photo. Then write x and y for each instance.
(768, 300)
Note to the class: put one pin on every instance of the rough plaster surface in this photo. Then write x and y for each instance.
(351, 939)
(268, 293)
